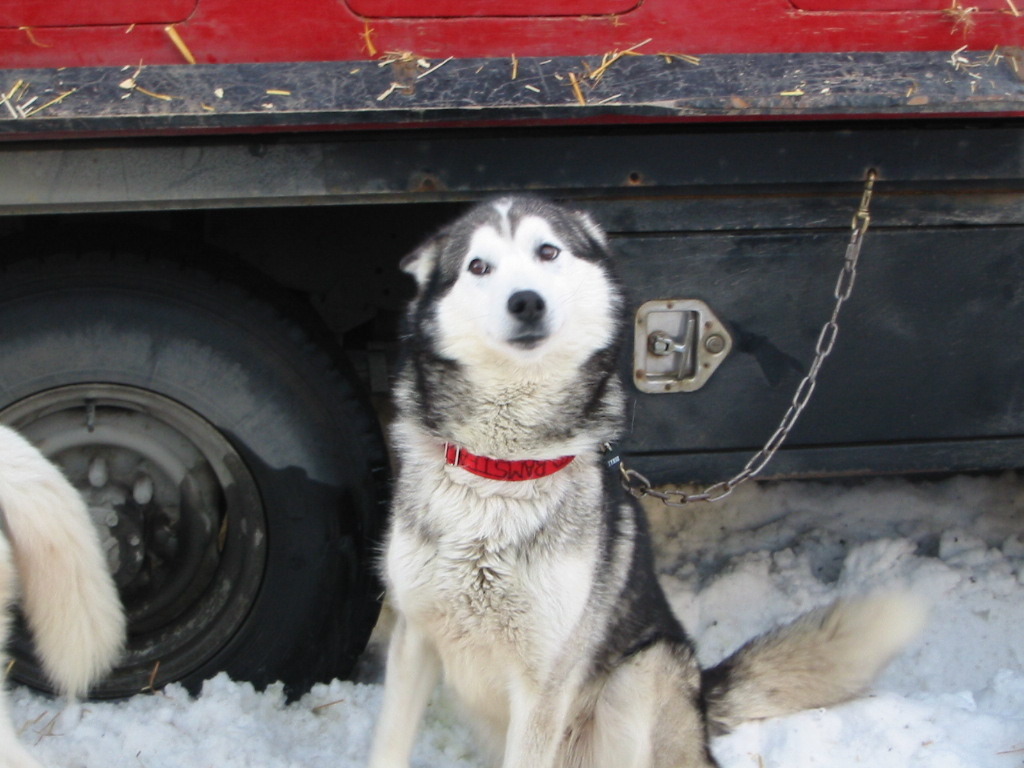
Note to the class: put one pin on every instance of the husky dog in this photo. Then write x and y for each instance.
(518, 568)
(50, 548)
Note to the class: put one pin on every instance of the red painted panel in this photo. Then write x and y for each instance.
(76, 13)
(456, 8)
(902, 5)
(222, 31)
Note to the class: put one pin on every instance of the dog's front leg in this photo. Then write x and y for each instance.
(412, 673)
(538, 724)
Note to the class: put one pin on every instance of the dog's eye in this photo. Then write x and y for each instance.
(548, 252)
(479, 267)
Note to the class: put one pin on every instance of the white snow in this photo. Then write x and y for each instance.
(954, 699)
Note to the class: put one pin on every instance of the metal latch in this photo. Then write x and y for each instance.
(677, 345)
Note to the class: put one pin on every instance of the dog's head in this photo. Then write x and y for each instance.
(519, 277)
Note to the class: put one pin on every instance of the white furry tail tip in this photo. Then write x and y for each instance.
(67, 593)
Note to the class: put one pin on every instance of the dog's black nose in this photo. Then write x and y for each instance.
(526, 306)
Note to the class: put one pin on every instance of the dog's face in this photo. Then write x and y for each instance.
(518, 277)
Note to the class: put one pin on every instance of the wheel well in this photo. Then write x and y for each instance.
(341, 261)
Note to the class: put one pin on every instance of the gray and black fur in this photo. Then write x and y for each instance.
(538, 601)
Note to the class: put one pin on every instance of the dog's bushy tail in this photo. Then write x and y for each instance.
(67, 594)
(822, 658)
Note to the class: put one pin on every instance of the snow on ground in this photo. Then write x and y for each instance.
(955, 699)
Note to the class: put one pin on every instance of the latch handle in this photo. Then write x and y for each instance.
(678, 344)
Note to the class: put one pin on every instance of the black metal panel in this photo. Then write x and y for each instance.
(929, 350)
(42, 177)
(289, 96)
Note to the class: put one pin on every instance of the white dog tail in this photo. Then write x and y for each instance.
(823, 658)
(67, 594)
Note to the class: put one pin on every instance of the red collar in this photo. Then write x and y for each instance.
(502, 469)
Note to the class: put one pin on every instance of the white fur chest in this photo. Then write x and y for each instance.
(460, 593)
(492, 579)
(496, 619)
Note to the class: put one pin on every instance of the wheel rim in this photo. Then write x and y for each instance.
(179, 516)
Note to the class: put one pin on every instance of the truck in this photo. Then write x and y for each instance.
(203, 205)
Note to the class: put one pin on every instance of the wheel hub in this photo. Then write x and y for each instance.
(168, 495)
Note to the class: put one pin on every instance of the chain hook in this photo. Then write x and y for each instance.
(863, 217)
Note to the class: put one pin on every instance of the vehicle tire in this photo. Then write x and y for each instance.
(234, 470)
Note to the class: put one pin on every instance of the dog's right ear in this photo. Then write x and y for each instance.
(422, 262)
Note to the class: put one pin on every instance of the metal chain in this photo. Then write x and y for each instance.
(638, 485)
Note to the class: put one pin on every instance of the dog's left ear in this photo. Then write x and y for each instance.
(591, 228)
(421, 262)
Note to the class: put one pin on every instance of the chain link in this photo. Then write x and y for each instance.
(638, 485)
